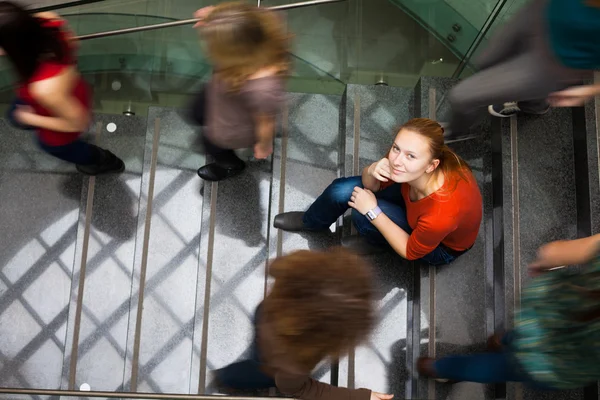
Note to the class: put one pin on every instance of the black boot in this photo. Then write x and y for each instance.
(361, 246)
(214, 172)
(290, 221)
(108, 164)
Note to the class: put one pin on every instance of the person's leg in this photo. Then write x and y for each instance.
(510, 39)
(521, 78)
(197, 112)
(247, 374)
(244, 375)
(439, 256)
(227, 164)
(224, 158)
(88, 158)
(332, 203)
(481, 368)
(77, 152)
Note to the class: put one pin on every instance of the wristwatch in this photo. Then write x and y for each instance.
(374, 213)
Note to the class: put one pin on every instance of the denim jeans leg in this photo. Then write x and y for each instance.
(439, 256)
(77, 152)
(481, 368)
(332, 203)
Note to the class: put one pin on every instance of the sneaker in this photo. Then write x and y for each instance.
(504, 110)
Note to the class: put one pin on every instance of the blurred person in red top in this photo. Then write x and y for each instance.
(421, 200)
(52, 98)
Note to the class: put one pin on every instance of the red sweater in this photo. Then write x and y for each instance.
(49, 69)
(451, 218)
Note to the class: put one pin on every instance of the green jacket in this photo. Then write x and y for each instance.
(552, 344)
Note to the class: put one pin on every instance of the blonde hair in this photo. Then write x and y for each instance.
(242, 39)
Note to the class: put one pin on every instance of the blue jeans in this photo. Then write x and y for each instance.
(333, 202)
(247, 374)
(77, 152)
(497, 367)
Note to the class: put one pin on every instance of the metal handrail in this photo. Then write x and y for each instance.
(125, 395)
(194, 20)
(479, 38)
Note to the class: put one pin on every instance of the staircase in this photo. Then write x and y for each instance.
(147, 281)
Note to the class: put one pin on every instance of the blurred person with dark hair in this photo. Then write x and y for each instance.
(555, 343)
(320, 306)
(52, 98)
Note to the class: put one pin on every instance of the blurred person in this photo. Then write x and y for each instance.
(248, 48)
(421, 200)
(53, 99)
(538, 59)
(321, 305)
(555, 343)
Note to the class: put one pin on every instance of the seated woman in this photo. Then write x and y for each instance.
(311, 314)
(421, 199)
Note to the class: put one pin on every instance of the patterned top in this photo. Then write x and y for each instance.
(552, 343)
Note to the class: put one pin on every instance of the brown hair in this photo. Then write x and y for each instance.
(321, 304)
(242, 39)
(451, 164)
(593, 3)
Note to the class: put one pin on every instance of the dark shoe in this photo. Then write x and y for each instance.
(425, 370)
(494, 343)
(504, 110)
(361, 246)
(111, 164)
(213, 172)
(290, 221)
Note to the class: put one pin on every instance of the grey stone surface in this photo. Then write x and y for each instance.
(39, 216)
(381, 363)
(461, 287)
(546, 193)
(546, 182)
(172, 274)
(239, 262)
(109, 265)
(312, 161)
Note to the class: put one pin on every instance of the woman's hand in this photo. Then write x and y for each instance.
(381, 170)
(362, 200)
(262, 151)
(201, 14)
(381, 396)
(565, 252)
(573, 96)
(24, 114)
